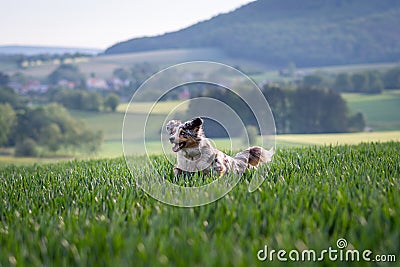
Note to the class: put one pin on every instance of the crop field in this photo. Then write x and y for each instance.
(92, 213)
(336, 139)
(156, 108)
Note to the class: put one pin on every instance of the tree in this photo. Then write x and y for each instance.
(26, 148)
(91, 101)
(67, 72)
(343, 83)
(313, 80)
(305, 102)
(7, 121)
(8, 95)
(391, 78)
(295, 110)
(278, 102)
(112, 101)
(356, 122)
(317, 111)
(375, 85)
(333, 113)
(53, 127)
(78, 99)
(141, 72)
(214, 129)
(121, 74)
(4, 78)
(51, 136)
(360, 82)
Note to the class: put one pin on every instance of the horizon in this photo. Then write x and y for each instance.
(98, 24)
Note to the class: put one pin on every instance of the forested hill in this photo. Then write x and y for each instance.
(306, 32)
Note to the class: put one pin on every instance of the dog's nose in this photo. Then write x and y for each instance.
(171, 139)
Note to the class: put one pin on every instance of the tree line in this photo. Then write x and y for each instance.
(370, 82)
(311, 110)
(296, 110)
(84, 100)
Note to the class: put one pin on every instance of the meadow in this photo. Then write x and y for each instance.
(92, 213)
(381, 111)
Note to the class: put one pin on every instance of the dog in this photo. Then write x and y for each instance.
(196, 154)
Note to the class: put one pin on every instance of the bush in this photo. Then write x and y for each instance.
(78, 99)
(53, 128)
(356, 122)
(7, 121)
(391, 78)
(112, 102)
(51, 136)
(26, 148)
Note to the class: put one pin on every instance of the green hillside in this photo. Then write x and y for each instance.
(92, 213)
(308, 33)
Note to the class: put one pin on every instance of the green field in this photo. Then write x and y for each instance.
(91, 213)
(336, 139)
(382, 112)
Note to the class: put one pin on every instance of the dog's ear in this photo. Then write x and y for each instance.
(194, 124)
(171, 125)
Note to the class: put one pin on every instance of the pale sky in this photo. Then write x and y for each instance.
(100, 23)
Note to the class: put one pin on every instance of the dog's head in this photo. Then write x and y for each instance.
(185, 135)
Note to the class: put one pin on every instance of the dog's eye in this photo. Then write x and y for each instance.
(182, 133)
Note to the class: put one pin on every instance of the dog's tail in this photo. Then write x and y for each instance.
(255, 155)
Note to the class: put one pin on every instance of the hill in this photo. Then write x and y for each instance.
(276, 32)
(36, 50)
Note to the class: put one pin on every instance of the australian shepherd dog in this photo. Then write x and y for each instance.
(196, 154)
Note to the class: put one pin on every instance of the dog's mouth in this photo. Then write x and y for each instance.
(178, 146)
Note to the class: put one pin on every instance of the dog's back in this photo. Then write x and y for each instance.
(255, 155)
